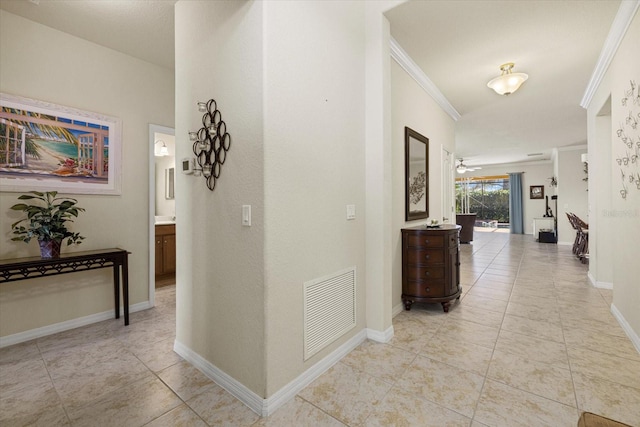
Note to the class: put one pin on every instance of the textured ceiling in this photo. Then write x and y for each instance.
(458, 44)
(140, 28)
(461, 44)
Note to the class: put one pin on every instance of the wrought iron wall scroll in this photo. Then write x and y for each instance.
(210, 143)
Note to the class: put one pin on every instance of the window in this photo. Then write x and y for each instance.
(488, 197)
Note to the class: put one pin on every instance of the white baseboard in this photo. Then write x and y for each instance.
(597, 284)
(633, 336)
(237, 389)
(67, 325)
(259, 405)
(566, 243)
(603, 285)
(381, 337)
(397, 309)
(591, 279)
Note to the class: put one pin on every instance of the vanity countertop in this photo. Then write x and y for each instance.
(165, 220)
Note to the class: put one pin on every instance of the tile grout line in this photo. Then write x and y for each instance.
(53, 385)
(484, 381)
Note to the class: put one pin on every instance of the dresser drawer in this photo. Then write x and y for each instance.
(423, 289)
(429, 241)
(425, 273)
(425, 256)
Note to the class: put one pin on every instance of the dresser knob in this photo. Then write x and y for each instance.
(426, 242)
(427, 273)
(426, 256)
(427, 289)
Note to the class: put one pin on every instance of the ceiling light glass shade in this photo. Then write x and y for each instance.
(461, 169)
(163, 151)
(508, 82)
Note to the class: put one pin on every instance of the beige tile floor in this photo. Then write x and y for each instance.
(531, 343)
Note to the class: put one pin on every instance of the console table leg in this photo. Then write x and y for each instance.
(116, 288)
(125, 288)
(445, 306)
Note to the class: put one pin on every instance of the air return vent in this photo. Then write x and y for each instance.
(329, 309)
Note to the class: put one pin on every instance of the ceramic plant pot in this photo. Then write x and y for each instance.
(50, 248)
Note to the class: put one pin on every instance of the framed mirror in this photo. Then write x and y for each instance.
(416, 167)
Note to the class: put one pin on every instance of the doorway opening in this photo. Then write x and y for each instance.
(488, 198)
(162, 216)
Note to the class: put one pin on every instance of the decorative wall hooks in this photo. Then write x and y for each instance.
(210, 143)
(627, 154)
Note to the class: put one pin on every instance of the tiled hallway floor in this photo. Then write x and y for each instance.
(530, 343)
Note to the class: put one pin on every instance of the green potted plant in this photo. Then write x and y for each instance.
(46, 221)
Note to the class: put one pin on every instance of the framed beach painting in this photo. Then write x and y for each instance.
(45, 147)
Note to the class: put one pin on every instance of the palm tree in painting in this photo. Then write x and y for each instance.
(36, 130)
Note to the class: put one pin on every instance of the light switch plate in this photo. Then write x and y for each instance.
(351, 212)
(246, 215)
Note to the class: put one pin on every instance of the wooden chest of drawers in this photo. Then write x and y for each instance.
(430, 265)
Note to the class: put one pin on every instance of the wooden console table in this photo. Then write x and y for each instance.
(32, 267)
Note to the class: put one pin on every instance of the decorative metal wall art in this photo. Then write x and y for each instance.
(627, 158)
(210, 143)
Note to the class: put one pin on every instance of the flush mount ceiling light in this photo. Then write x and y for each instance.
(508, 82)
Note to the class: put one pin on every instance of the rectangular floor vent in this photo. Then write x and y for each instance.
(329, 309)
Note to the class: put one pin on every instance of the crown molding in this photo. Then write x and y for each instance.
(573, 147)
(626, 12)
(404, 60)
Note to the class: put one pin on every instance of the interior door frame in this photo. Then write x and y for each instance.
(153, 130)
(448, 187)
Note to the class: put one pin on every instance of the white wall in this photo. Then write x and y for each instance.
(295, 107)
(414, 108)
(572, 191)
(600, 198)
(534, 174)
(378, 169)
(41, 63)
(624, 214)
(314, 149)
(220, 264)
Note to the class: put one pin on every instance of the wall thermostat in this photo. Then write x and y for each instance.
(187, 165)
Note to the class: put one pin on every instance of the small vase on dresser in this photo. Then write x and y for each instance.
(430, 265)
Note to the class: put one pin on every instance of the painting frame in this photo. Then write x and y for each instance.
(96, 139)
(536, 192)
(416, 151)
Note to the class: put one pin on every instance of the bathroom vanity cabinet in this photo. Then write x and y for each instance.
(165, 250)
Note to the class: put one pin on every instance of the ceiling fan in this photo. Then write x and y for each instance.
(462, 168)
